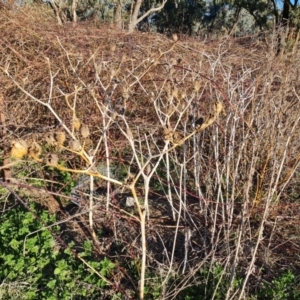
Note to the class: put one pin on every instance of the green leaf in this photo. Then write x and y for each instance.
(31, 295)
(14, 244)
(62, 264)
(51, 284)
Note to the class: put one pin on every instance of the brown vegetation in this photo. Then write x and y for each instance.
(225, 191)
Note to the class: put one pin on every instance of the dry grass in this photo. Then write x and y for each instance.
(218, 193)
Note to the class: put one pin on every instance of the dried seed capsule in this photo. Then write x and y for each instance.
(76, 123)
(60, 138)
(85, 131)
(53, 160)
(218, 107)
(50, 140)
(19, 149)
(35, 150)
(75, 145)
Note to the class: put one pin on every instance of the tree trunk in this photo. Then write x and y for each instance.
(284, 23)
(134, 16)
(56, 11)
(236, 20)
(285, 13)
(74, 14)
(134, 20)
(118, 15)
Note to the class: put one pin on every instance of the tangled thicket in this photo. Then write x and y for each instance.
(138, 115)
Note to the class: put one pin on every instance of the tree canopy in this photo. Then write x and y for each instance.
(193, 17)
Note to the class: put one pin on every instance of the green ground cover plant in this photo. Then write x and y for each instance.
(33, 265)
(285, 286)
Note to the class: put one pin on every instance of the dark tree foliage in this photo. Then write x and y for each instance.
(180, 16)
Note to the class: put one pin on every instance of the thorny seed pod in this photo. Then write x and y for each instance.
(177, 138)
(19, 149)
(50, 140)
(85, 131)
(75, 145)
(53, 160)
(60, 138)
(168, 134)
(218, 107)
(76, 123)
(35, 150)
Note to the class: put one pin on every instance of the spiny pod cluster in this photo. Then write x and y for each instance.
(30, 148)
(177, 139)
